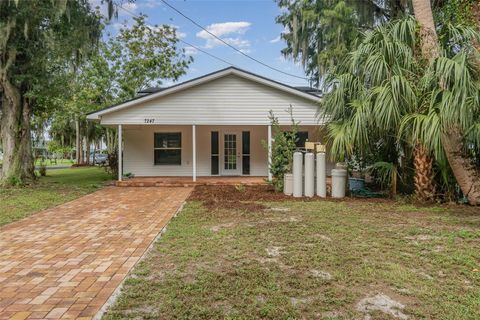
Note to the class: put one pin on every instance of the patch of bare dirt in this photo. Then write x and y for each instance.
(321, 274)
(323, 237)
(298, 301)
(274, 251)
(219, 227)
(423, 237)
(382, 303)
(279, 209)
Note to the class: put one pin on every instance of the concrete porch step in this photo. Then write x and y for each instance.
(179, 182)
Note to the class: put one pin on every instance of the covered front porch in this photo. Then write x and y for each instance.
(198, 153)
(192, 151)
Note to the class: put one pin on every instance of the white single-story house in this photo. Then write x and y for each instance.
(213, 125)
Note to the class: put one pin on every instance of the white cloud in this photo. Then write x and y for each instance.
(190, 51)
(246, 51)
(277, 39)
(151, 3)
(181, 35)
(130, 6)
(232, 29)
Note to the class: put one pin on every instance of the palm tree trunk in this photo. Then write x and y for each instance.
(468, 178)
(424, 177)
(423, 162)
(428, 34)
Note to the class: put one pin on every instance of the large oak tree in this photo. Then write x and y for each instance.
(34, 36)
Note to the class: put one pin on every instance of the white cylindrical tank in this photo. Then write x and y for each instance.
(288, 184)
(321, 175)
(297, 174)
(309, 190)
(339, 181)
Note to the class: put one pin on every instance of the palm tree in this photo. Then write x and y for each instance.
(370, 95)
(458, 98)
(385, 96)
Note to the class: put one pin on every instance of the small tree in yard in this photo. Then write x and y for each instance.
(138, 57)
(283, 147)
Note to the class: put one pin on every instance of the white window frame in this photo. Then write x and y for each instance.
(168, 148)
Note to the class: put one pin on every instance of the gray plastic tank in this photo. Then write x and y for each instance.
(297, 174)
(309, 175)
(288, 184)
(339, 181)
(321, 175)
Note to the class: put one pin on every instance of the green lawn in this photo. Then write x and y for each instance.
(310, 260)
(59, 186)
(59, 162)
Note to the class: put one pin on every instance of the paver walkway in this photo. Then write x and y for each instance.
(67, 261)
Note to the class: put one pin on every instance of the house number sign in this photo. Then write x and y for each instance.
(149, 120)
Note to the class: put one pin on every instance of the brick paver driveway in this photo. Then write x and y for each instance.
(66, 262)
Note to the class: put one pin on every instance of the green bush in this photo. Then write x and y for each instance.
(283, 147)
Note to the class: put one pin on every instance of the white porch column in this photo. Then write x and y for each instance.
(194, 152)
(269, 152)
(120, 145)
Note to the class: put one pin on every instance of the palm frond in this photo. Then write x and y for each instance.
(340, 140)
(385, 171)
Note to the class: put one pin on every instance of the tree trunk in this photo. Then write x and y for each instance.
(394, 183)
(468, 178)
(428, 33)
(424, 178)
(87, 150)
(78, 149)
(423, 162)
(80, 152)
(18, 166)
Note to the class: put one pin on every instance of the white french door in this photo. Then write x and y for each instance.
(231, 156)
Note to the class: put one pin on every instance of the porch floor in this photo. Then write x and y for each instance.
(188, 182)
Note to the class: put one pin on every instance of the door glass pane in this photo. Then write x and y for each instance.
(230, 149)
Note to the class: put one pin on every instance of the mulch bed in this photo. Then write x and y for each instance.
(248, 197)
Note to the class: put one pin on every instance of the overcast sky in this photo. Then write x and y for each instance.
(248, 25)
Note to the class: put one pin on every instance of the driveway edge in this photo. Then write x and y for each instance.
(116, 293)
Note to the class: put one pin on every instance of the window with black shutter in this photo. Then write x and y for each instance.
(246, 152)
(214, 153)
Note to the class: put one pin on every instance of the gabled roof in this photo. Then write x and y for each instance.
(201, 80)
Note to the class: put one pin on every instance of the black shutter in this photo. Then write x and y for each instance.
(246, 152)
(215, 152)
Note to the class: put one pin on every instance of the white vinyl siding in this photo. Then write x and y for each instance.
(230, 100)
